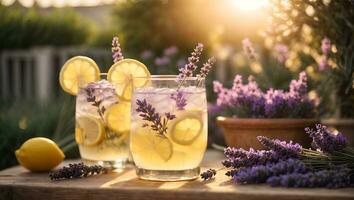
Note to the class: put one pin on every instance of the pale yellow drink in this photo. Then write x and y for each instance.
(177, 153)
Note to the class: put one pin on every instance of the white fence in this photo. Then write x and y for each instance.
(33, 73)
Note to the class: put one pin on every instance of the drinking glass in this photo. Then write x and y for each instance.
(168, 128)
(102, 125)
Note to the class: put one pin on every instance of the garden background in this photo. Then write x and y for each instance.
(36, 37)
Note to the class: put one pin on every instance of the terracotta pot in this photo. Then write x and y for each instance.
(345, 126)
(242, 133)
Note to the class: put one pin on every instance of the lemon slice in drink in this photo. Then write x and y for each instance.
(89, 131)
(118, 117)
(186, 127)
(163, 146)
(77, 72)
(149, 144)
(122, 74)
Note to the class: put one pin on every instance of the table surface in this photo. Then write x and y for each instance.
(18, 183)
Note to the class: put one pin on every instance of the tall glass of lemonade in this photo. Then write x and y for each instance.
(168, 127)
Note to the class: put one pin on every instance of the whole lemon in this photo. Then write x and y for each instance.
(39, 154)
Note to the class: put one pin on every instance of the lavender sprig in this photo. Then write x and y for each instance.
(180, 99)
(260, 173)
(249, 49)
(204, 71)
(252, 158)
(99, 94)
(324, 140)
(116, 50)
(283, 148)
(190, 67)
(76, 170)
(209, 174)
(330, 178)
(148, 113)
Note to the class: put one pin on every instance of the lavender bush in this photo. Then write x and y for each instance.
(288, 164)
(249, 101)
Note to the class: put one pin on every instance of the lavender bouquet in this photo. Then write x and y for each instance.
(330, 163)
(249, 101)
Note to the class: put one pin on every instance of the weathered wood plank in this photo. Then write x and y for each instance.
(17, 183)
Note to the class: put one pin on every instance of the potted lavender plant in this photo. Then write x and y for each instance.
(274, 113)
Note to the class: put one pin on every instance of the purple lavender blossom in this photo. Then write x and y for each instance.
(323, 63)
(284, 149)
(161, 61)
(190, 67)
(299, 86)
(207, 175)
(116, 50)
(253, 157)
(206, 67)
(330, 178)
(282, 52)
(247, 100)
(149, 114)
(275, 103)
(231, 152)
(146, 54)
(170, 51)
(180, 99)
(324, 140)
(100, 94)
(170, 116)
(260, 173)
(249, 49)
(325, 46)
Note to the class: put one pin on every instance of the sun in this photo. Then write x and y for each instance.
(249, 4)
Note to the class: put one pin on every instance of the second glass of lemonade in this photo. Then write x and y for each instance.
(168, 128)
(102, 125)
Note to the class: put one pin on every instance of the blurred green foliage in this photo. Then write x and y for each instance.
(22, 120)
(21, 29)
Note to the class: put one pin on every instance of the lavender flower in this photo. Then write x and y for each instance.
(101, 94)
(249, 49)
(282, 52)
(207, 175)
(76, 170)
(247, 100)
(325, 46)
(330, 178)
(116, 50)
(252, 158)
(170, 51)
(206, 67)
(146, 54)
(323, 63)
(161, 61)
(283, 148)
(323, 139)
(231, 152)
(190, 67)
(180, 99)
(260, 173)
(149, 114)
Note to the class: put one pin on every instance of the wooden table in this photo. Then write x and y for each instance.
(17, 183)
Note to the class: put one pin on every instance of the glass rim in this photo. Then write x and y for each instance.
(169, 77)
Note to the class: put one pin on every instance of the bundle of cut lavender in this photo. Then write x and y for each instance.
(330, 163)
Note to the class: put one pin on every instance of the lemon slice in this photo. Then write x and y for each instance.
(187, 127)
(89, 131)
(123, 74)
(118, 117)
(77, 72)
(163, 146)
